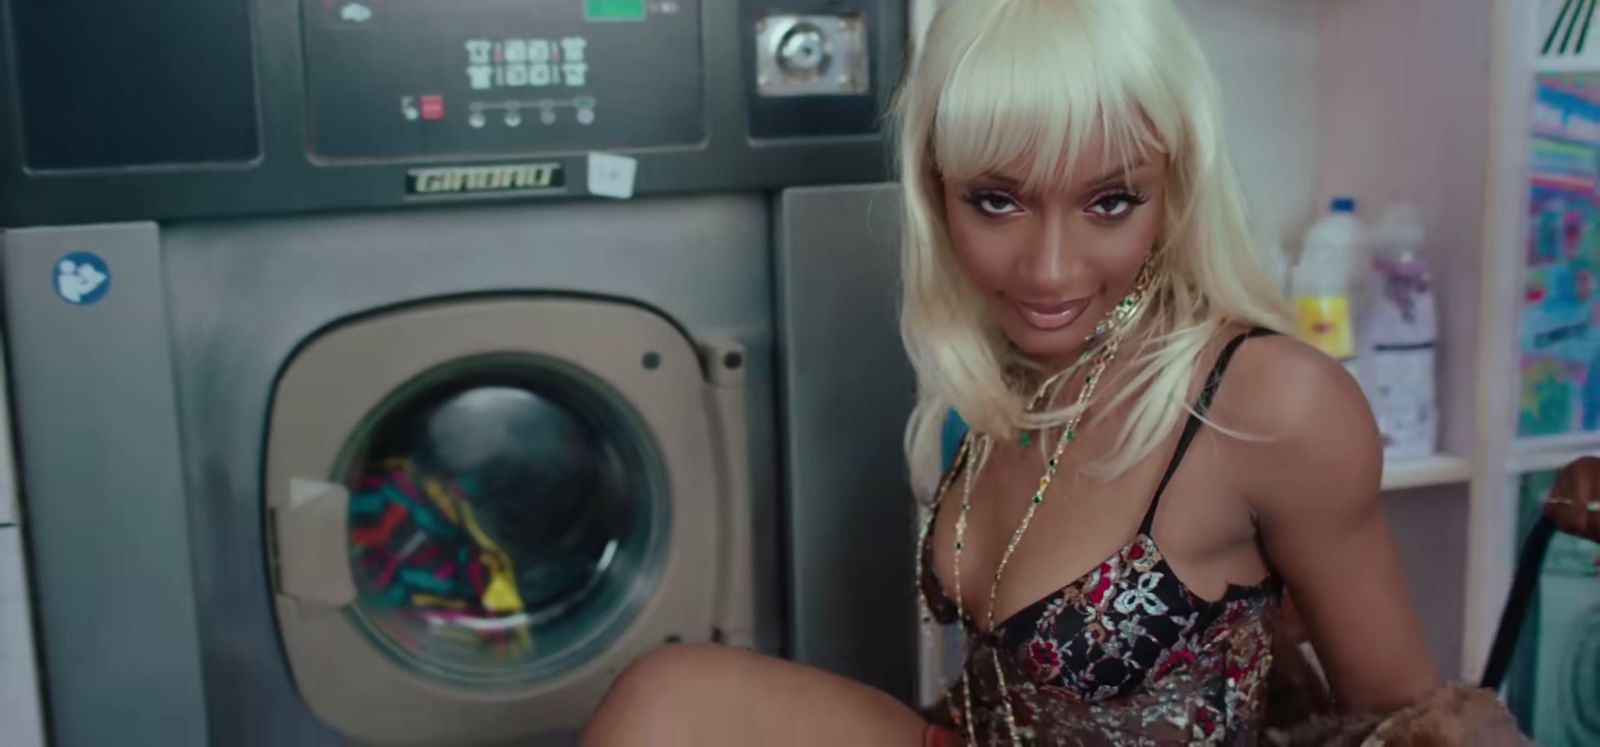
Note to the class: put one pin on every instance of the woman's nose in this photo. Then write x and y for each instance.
(1048, 264)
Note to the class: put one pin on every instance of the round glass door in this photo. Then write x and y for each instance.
(508, 518)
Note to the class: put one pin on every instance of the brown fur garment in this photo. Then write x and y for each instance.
(1301, 711)
(1452, 716)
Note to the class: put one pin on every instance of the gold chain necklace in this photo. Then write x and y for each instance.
(1100, 357)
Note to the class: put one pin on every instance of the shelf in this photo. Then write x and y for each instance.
(1542, 453)
(1422, 472)
(1566, 65)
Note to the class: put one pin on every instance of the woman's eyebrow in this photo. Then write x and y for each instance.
(1000, 180)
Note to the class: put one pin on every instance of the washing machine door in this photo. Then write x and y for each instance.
(481, 511)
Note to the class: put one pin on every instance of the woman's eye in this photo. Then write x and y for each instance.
(1112, 206)
(1116, 205)
(994, 204)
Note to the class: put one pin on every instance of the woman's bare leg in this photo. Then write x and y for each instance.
(712, 696)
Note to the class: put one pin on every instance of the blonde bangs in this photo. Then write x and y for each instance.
(1037, 84)
(1023, 87)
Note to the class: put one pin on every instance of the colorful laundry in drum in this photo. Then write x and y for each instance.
(422, 559)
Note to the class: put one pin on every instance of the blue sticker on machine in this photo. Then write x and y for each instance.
(82, 278)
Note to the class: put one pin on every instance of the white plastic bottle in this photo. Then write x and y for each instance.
(1324, 282)
(1399, 334)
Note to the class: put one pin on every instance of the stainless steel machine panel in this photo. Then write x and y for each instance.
(847, 391)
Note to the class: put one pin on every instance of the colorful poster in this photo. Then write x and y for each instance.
(1560, 345)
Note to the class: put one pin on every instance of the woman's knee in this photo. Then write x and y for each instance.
(712, 695)
(668, 669)
(658, 690)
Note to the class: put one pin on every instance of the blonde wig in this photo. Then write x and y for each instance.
(1003, 84)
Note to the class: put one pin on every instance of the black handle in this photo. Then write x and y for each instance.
(1516, 609)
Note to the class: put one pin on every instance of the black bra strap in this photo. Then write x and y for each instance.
(1192, 426)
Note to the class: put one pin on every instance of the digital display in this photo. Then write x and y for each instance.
(536, 63)
(614, 10)
(416, 78)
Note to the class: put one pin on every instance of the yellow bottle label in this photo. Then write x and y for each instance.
(1324, 321)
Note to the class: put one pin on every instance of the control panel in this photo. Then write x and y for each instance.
(427, 78)
(191, 109)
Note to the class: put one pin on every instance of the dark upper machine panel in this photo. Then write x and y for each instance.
(102, 85)
(194, 108)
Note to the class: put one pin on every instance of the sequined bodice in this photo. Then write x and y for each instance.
(1127, 654)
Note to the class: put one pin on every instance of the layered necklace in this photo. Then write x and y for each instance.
(1101, 350)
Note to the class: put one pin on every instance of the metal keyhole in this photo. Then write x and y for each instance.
(803, 50)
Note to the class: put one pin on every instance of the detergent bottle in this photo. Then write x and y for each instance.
(1399, 332)
(1323, 282)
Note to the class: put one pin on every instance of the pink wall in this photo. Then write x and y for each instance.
(1405, 115)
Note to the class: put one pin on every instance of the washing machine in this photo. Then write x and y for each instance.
(398, 371)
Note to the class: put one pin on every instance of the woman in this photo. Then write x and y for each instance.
(1147, 467)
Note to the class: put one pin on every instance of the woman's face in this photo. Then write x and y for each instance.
(1052, 265)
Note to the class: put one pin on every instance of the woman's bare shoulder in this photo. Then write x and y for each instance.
(1299, 416)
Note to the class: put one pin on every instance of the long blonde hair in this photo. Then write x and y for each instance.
(1005, 82)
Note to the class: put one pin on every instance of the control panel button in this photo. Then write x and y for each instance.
(516, 50)
(572, 48)
(432, 108)
(574, 73)
(482, 77)
(355, 13)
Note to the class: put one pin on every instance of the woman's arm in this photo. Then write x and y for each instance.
(1314, 483)
(1574, 502)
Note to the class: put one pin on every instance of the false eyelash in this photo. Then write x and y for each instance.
(1122, 193)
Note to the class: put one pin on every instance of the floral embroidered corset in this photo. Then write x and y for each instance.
(1125, 655)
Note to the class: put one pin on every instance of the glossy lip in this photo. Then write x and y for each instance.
(1049, 317)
